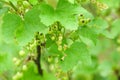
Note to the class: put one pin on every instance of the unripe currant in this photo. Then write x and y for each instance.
(22, 53)
(24, 67)
(82, 22)
(60, 37)
(80, 16)
(88, 20)
(60, 48)
(17, 62)
(19, 3)
(15, 59)
(14, 77)
(53, 37)
(19, 75)
(65, 47)
(26, 4)
(49, 59)
(59, 42)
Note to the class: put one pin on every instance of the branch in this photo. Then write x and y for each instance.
(38, 58)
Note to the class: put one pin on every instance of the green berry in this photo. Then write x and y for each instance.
(49, 59)
(14, 77)
(26, 4)
(24, 67)
(19, 75)
(60, 48)
(60, 38)
(19, 3)
(15, 59)
(59, 42)
(65, 47)
(22, 53)
(53, 37)
(17, 62)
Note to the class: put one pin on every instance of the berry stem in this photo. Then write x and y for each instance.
(38, 58)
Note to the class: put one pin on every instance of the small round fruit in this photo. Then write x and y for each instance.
(19, 75)
(59, 42)
(17, 62)
(26, 4)
(53, 38)
(24, 67)
(14, 77)
(15, 59)
(60, 48)
(60, 38)
(22, 53)
(65, 47)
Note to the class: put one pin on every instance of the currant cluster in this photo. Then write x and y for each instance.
(28, 54)
(21, 7)
(20, 64)
(56, 33)
(82, 20)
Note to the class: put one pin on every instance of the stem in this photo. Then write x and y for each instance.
(38, 58)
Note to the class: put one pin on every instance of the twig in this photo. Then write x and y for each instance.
(38, 58)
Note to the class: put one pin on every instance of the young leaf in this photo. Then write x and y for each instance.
(31, 25)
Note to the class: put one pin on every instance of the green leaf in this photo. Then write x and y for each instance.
(11, 22)
(31, 25)
(49, 76)
(32, 21)
(76, 53)
(6, 64)
(47, 14)
(88, 33)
